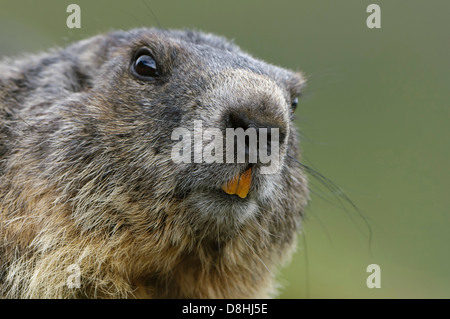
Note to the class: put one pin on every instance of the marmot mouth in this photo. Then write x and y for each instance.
(240, 184)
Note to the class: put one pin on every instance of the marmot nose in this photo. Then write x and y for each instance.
(239, 119)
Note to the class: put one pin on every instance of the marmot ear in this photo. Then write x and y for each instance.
(298, 80)
(296, 83)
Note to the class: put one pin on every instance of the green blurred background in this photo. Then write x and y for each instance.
(375, 120)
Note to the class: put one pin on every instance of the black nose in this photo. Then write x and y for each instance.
(239, 119)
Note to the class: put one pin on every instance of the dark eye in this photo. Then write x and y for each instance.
(294, 104)
(144, 66)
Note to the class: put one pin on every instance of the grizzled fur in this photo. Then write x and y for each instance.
(86, 175)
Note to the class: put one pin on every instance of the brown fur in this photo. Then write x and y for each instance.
(86, 176)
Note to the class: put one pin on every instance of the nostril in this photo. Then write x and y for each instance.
(237, 120)
(241, 120)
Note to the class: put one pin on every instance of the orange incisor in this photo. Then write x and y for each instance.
(240, 184)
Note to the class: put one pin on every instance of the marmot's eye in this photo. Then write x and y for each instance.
(294, 104)
(145, 66)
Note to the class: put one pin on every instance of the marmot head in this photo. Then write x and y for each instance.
(101, 132)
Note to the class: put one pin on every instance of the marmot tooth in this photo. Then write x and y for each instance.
(240, 184)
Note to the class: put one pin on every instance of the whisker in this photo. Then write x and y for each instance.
(342, 199)
(152, 14)
(305, 253)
